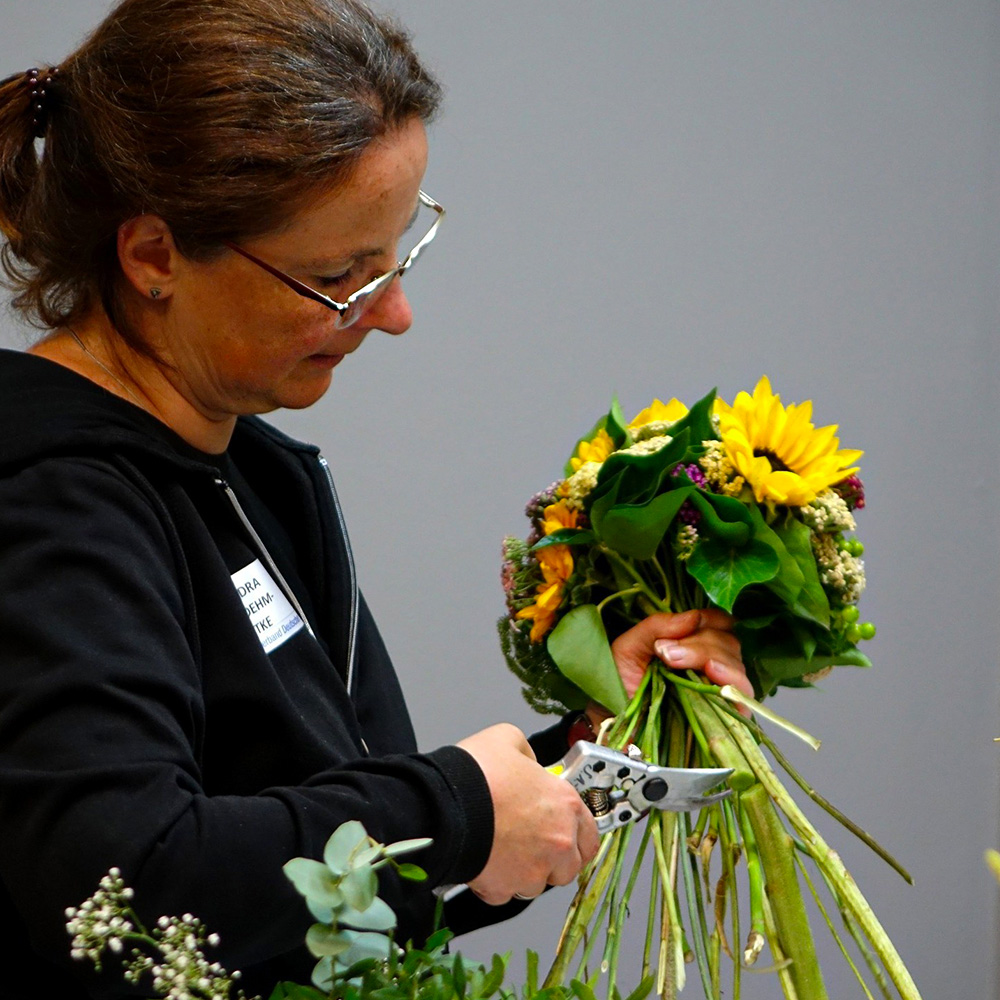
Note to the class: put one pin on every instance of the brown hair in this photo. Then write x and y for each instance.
(217, 115)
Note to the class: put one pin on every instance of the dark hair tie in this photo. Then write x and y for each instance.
(39, 91)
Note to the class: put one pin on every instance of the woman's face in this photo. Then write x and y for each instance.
(238, 341)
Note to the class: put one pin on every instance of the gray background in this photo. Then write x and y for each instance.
(655, 198)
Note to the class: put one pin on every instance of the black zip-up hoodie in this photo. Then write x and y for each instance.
(155, 716)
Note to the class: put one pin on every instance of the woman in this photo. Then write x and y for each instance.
(193, 689)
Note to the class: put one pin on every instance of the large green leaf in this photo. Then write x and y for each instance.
(723, 571)
(698, 420)
(723, 518)
(812, 601)
(638, 478)
(613, 423)
(565, 536)
(789, 581)
(775, 670)
(637, 529)
(579, 647)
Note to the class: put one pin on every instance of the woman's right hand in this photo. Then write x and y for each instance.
(543, 832)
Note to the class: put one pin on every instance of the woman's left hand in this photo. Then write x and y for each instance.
(693, 640)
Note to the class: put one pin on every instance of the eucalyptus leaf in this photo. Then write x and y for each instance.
(322, 940)
(579, 647)
(321, 912)
(378, 916)
(314, 881)
(359, 887)
(407, 846)
(615, 423)
(322, 974)
(344, 841)
(724, 571)
(364, 945)
(637, 530)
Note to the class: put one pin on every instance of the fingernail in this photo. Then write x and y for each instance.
(672, 651)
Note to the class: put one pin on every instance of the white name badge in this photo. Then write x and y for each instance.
(271, 614)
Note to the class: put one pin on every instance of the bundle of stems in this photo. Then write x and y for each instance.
(758, 836)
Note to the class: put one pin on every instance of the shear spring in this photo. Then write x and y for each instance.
(597, 801)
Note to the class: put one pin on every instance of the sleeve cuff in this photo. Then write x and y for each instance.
(472, 796)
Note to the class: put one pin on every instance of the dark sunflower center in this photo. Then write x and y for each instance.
(776, 463)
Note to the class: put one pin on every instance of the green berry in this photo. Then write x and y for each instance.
(855, 547)
(866, 630)
(850, 614)
(853, 633)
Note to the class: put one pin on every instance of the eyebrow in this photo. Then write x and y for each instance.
(319, 264)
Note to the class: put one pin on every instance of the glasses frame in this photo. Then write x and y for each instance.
(351, 311)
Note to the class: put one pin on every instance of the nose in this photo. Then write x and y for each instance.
(391, 312)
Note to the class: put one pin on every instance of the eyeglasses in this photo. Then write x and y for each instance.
(351, 311)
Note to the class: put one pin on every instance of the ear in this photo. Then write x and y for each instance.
(148, 256)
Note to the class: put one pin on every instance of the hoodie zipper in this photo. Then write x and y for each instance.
(272, 566)
(289, 593)
(353, 626)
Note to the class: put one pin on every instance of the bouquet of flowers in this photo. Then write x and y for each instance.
(746, 507)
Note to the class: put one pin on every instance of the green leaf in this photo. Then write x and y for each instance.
(643, 989)
(344, 841)
(812, 600)
(295, 991)
(359, 887)
(724, 518)
(458, 976)
(532, 977)
(565, 536)
(322, 940)
(494, 980)
(314, 881)
(724, 571)
(378, 916)
(579, 647)
(698, 420)
(581, 990)
(407, 846)
(636, 478)
(637, 530)
(789, 581)
(413, 873)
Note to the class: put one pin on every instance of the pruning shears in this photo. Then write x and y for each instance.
(619, 788)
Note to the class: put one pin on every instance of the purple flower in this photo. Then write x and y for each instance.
(693, 472)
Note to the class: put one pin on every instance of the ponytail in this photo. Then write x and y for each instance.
(22, 120)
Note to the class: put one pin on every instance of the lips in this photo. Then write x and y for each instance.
(326, 360)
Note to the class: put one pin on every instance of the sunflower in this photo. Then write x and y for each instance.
(779, 452)
(659, 412)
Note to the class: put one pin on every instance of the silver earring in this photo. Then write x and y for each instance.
(155, 293)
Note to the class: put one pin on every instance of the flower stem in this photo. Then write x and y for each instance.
(828, 862)
(791, 923)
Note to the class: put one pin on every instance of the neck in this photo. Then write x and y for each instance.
(95, 350)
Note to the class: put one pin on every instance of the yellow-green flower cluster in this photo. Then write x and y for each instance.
(842, 572)
(828, 512)
(720, 473)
